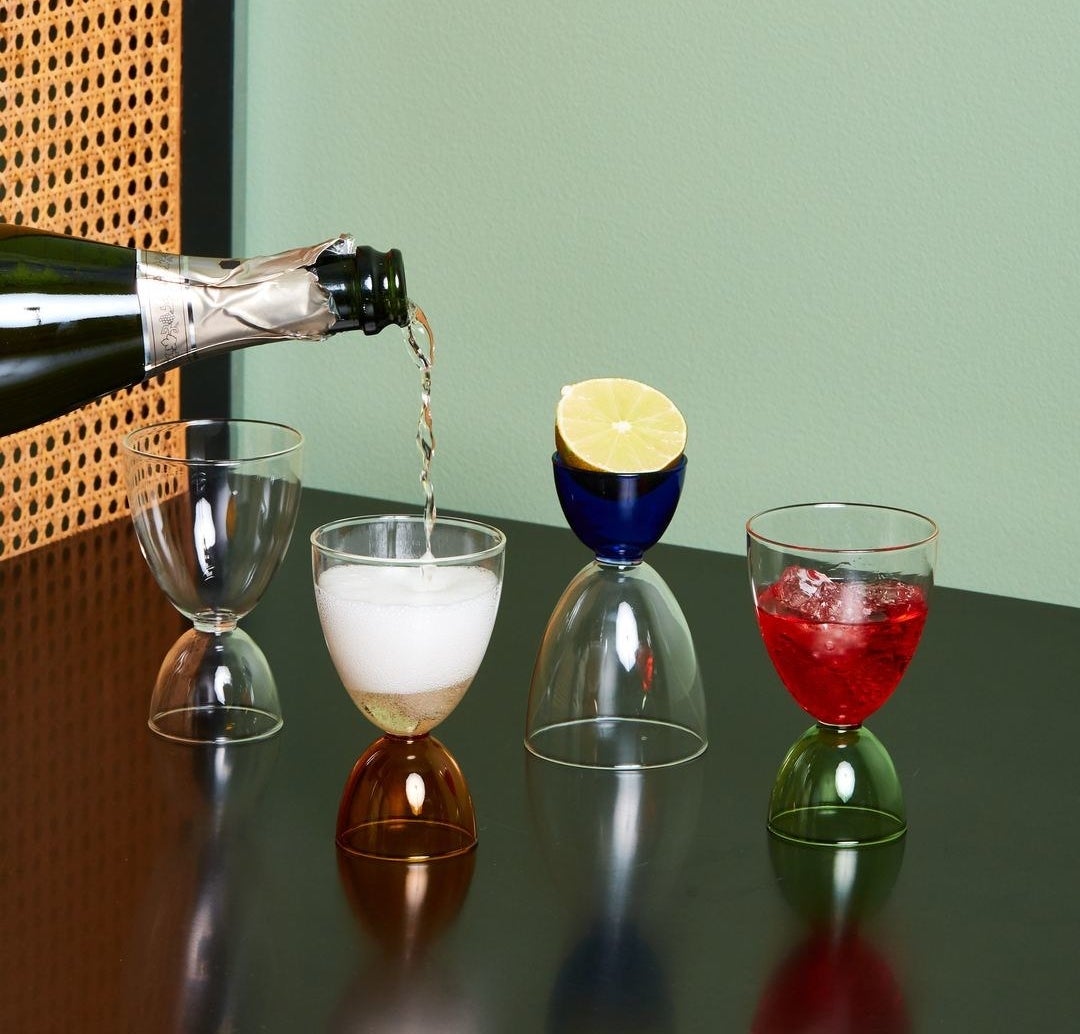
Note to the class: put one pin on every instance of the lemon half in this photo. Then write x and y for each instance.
(618, 426)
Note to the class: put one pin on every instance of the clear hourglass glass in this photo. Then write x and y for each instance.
(407, 626)
(214, 503)
(841, 592)
(616, 682)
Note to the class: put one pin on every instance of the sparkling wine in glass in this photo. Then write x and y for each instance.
(841, 592)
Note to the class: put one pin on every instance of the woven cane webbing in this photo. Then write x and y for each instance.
(89, 146)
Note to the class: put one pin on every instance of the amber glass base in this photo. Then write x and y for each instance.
(406, 799)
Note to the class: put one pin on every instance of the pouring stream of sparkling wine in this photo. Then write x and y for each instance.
(417, 331)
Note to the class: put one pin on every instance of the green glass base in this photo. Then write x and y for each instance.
(837, 786)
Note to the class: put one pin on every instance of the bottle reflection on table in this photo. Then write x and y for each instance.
(835, 980)
(615, 843)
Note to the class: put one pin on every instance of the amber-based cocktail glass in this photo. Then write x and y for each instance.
(407, 626)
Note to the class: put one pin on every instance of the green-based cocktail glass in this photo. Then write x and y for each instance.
(841, 592)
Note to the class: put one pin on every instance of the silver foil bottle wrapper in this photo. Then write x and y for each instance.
(206, 304)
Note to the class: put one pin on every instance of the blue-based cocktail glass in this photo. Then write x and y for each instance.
(616, 682)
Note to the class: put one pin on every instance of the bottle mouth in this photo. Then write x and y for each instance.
(366, 288)
(384, 298)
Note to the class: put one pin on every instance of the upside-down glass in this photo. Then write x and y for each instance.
(841, 592)
(214, 503)
(616, 682)
(407, 630)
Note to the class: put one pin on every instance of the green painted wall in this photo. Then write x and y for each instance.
(843, 237)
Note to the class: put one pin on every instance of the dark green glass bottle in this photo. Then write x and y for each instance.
(80, 319)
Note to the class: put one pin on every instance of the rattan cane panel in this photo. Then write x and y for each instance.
(90, 146)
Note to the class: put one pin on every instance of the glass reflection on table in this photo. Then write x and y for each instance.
(403, 909)
(197, 934)
(615, 843)
(835, 978)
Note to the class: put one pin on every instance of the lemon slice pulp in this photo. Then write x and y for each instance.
(618, 426)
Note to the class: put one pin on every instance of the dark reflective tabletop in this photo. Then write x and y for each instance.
(151, 887)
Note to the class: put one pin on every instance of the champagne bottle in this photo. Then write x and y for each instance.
(80, 319)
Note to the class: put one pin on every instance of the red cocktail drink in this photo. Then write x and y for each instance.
(840, 648)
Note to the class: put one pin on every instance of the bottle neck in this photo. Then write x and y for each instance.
(366, 288)
(195, 305)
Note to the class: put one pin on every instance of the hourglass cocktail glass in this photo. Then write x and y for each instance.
(407, 627)
(841, 592)
(616, 681)
(214, 503)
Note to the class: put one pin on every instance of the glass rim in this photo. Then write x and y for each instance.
(166, 425)
(679, 464)
(933, 529)
(494, 550)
